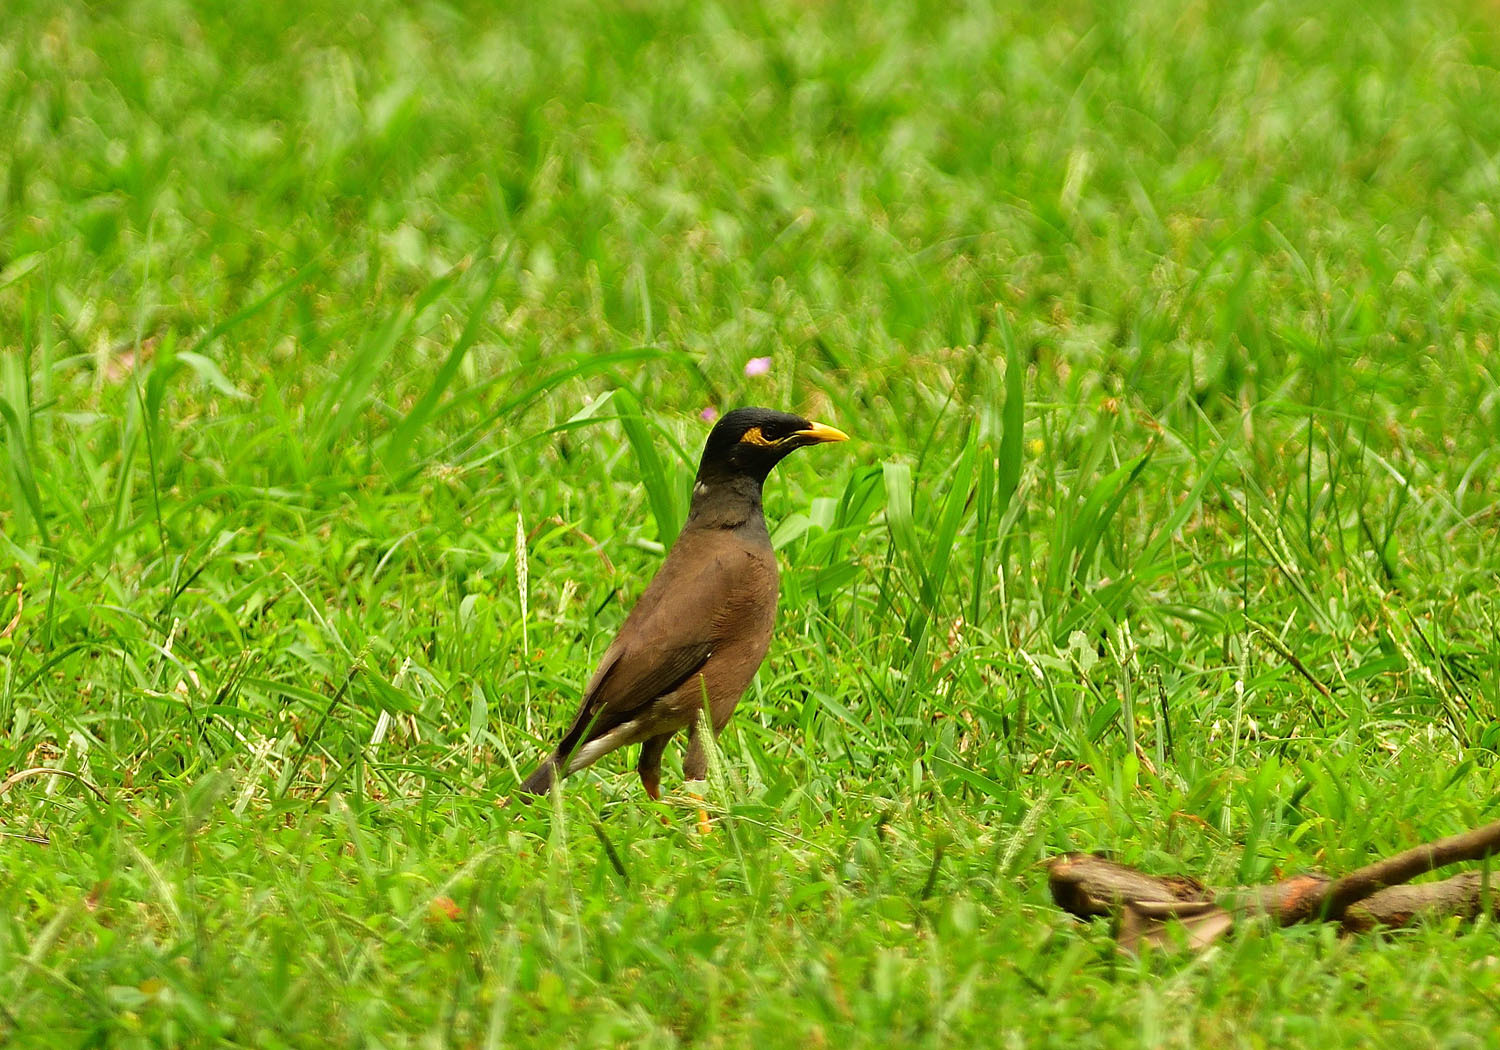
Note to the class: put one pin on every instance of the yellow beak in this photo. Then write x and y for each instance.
(821, 432)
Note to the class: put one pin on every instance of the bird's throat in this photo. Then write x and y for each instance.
(726, 502)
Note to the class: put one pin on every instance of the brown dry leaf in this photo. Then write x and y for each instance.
(15, 621)
(123, 359)
(1202, 923)
(95, 895)
(443, 909)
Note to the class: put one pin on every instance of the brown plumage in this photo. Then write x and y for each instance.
(703, 626)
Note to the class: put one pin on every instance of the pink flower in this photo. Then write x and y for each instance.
(709, 414)
(757, 366)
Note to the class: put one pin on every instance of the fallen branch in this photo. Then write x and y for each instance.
(1403, 867)
(1375, 895)
(1465, 896)
(1089, 886)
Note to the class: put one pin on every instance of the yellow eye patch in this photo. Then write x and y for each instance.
(753, 436)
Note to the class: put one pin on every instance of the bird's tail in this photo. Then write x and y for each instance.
(540, 782)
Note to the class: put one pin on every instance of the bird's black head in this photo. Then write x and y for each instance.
(748, 442)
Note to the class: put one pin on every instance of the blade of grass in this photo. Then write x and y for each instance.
(398, 445)
(660, 484)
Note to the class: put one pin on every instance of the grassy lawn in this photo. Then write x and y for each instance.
(352, 367)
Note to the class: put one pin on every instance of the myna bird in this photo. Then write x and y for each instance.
(703, 625)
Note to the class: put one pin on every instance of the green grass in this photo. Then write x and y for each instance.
(1167, 334)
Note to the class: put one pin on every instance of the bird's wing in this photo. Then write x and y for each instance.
(627, 680)
(635, 679)
(666, 639)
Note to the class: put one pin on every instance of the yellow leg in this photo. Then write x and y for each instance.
(705, 827)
